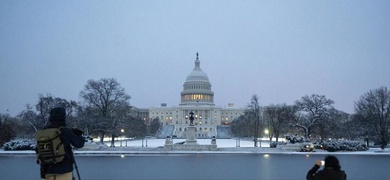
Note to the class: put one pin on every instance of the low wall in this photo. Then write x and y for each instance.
(291, 147)
(191, 147)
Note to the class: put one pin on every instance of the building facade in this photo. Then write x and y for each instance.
(197, 97)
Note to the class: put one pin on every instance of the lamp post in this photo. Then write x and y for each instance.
(122, 131)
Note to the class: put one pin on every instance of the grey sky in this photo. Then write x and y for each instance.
(279, 50)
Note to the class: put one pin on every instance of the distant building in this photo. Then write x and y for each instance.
(197, 97)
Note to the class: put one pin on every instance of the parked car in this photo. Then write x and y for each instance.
(308, 147)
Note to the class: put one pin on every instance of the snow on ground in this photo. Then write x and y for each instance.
(224, 145)
(221, 143)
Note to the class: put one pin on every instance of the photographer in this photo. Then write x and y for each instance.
(69, 137)
(331, 171)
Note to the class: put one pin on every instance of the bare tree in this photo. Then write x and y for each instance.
(30, 117)
(48, 102)
(255, 113)
(277, 119)
(271, 120)
(374, 107)
(108, 100)
(243, 125)
(332, 125)
(314, 108)
(28, 122)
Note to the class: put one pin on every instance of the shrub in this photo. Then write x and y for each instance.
(344, 145)
(296, 139)
(20, 144)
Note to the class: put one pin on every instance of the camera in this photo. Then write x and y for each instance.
(322, 163)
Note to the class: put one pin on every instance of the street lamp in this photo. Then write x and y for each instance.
(122, 131)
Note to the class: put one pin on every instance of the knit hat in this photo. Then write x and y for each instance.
(57, 114)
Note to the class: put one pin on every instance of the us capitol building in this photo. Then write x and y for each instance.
(197, 96)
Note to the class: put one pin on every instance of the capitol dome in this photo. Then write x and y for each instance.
(197, 88)
(197, 74)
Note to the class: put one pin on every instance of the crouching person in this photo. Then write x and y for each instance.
(57, 138)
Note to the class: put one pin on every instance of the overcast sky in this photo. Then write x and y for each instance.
(279, 50)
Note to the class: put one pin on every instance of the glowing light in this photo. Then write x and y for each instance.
(307, 155)
(266, 131)
(122, 156)
(266, 155)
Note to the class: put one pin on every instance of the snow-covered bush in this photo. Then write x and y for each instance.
(20, 144)
(343, 145)
(296, 139)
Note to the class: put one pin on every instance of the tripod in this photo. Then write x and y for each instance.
(75, 166)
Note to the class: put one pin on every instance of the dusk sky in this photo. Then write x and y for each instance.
(279, 50)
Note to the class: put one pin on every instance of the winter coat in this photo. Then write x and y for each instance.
(325, 174)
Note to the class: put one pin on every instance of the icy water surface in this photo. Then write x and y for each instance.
(201, 166)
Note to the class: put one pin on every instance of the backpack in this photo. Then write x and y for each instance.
(50, 149)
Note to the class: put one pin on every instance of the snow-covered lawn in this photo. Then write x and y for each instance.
(245, 146)
(221, 143)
